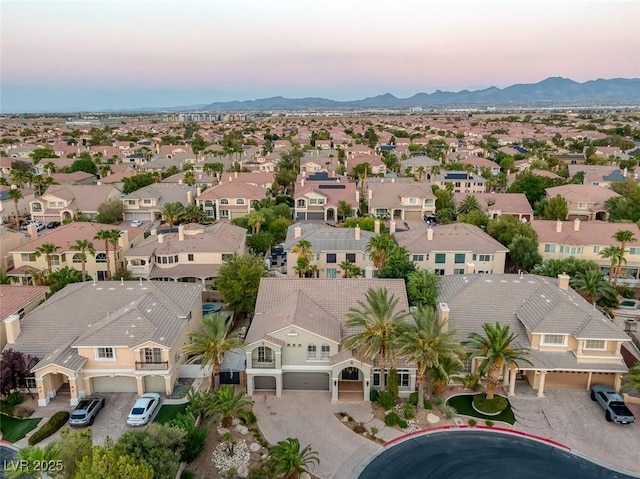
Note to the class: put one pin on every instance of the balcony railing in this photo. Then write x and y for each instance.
(263, 364)
(152, 365)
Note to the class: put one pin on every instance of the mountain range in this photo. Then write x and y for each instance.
(552, 92)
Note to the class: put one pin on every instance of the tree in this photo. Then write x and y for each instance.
(260, 243)
(194, 214)
(213, 169)
(424, 342)
(379, 247)
(62, 277)
(5, 279)
(84, 164)
(229, 403)
(506, 227)
(255, 220)
(286, 460)
(135, 182)
(46, 249)
(631, 380)
(442, 373)
(109, 237)
(209, 346)
(75, 444)
(34, 457)
(422, 287)
(350, 270)
(533, 186)
(468, 204)
(110, 211)
(398, 264)
(592, 285)
(344, 210)
(524, 252)
(105, 462)
(494, 348)
(172, 213)
(304, 252)
(238, 281)
(475, 217)
(623, 237)
(195, 436)
(378, 324)
(556, 209)
(14, 367)
(15, 195)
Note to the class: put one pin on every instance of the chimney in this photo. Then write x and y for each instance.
(563, 281)
(198, 191)
(302, 182)
(576, 225)
(443, 316)
(392, 227)
(297, 231)
(235, 174)
(32, 230)
(356, 230)
(189, 197)
(181, 233)
(160, 238)
(12, 328)
(558, 226)
(376, 226)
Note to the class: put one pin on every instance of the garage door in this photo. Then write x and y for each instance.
(313, 215)
(154, 384)
(606, 379)
(306, 381)
(264, 382)
(413, 215)
(117, 384)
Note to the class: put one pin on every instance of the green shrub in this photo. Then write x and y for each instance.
(394, 386)
(58, 420)
(472, 422)
(447, 410)
(491, 406)
(392, 419)
(349, 418)
(187, 474)
(14, 398)
(489, 423)
(6, 409)
(427, 404)
(249, 418)
(385, 399)
(403, 424)
(413, 398)
(194, 443)
(359, 428)
(408, 411)
(373, 395)
(374, 430)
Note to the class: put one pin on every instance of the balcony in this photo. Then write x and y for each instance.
(152, 365)
(263, 364)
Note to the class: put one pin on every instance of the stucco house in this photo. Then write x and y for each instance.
(230, 200)
(63, 202)
(570, 344)
(146, 203)
(293, 342)
(585, 202)
(407, 200)
(462, 181)
(90, 338)
(496, 204)
(317, 197)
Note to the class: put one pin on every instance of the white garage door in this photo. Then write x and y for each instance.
(154, 384)
(117, 384)
(306, 381)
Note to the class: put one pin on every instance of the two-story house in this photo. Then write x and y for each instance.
(329, 247)
(317, 196)
(420, 166)
(294, 341)
(230, 200)
(462, 181)
(585, 202)
(454, 249)
(146, 204)
(193, 254)
(18, 301)
(407, 200)
(570, 344)
(89, 338)
(496, 204)
(586, 240)
(7, 206)
(64, 202)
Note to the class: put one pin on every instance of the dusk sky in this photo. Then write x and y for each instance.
(125, 54)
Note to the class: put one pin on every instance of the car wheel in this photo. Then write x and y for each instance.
(593, 396)
(608, 416)
(91, 421)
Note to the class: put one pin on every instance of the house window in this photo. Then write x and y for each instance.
(458, 271)
(313, 201)
(152, 355)
(635, 251)
(264, 354)
(350, 257)
(26, 257)
(239, 201)
(596, 249)
(598, 344)
(190, 257)
(582, 206)
(573, 250)
(331, 258)
(381, 212)
(101, 258)
(131, 202)
(441, 258)
(77, 258)
(403, 378)
(325, 351)
(484, 257)
(208, 204)
(224, 201)
(146, 201)
(439, 272)
(321, 201)
(301, 203)
(52, 204)
(459, 258)
(549, 248)
(418, 257)
(30, 382)
(311, 351)
(554, 339)
(332, 273)
(105, 353)
(428, 202)
(413, 201)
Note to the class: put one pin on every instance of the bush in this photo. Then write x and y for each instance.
(403, 424)
(385, 399)
(359, 428)
(472, 422)
(14, 398)
(489, 423)
(491, 406)
(194, 443)
(373, 395)
(413, 398)
(408, 411)
(374, 430)
(427, 404)
(249, 418)
(58, 420)
(392, 419)
(22, 411)
(187, 474)
(448, 411)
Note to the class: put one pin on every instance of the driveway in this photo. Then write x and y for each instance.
(310, 417)
(112, 420)
(571, 418)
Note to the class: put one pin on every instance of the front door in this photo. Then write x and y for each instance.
(350, 374)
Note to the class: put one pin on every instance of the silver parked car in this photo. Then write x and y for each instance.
(86, 411)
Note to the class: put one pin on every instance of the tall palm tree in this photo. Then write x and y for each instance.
(378, 324)
(623, 237)
(15, 195)
(194, 214)
(46, 249)
(428, 344)
(350, 270)
(172, 213)
(189, 178)
(109, 237)
(495, 350)
(379, 248)
(613, 254)
(210, 345)
(34, 457)
(286, 460)
(228, 403)
(304, 252)
(592, 285)
(255, 220)
(84, 246)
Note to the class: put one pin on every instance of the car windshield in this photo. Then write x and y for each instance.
(137, 411)
(78, 415)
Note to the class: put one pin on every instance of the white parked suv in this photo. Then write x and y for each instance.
(136, 223)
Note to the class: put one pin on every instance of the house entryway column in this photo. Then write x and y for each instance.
(43, 397)
(73, 390)
(334, 388)
(167, 385)
(543, 375)
(278, 385)
(140, 385)
(512, 382)
(589, 378)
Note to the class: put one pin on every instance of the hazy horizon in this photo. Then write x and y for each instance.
(117, 54)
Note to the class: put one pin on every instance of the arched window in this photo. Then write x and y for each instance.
(311, 351)
(239, 201)
(101, 258)
(301, 203)
(77, 258)
(224, 201)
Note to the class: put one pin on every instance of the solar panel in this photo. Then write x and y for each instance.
(331, 187)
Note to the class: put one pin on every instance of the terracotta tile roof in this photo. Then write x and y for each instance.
(452, 237)
(582, 193)
(508, 203)
(233, 190)
(590, 233)
(13, 298)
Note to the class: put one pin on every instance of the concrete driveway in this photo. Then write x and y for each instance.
(310, 417)
(112, 420)
(571, 418)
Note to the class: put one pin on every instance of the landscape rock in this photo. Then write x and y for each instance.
(243, 471)
(235, 421)
(432, 418)
(255, 447)
(242, 429)
(222, 430)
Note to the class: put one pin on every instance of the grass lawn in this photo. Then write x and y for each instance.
(168, 411)
(463, 406)
(14, 429)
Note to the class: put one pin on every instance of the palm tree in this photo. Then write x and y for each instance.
(469, 204)
(613, 254)
(189, 178)
(442, 373)
(378, 325)
(255, 220)
(286, 460)
(194, 214)
(210, 345)
(428, 344)
(592, 285)
(350, 270)
(84, 246)
(15, 195)
(34, 457)
(314, 270)
(172, 213)
(421, 171)
(228, 403)
(62, 277)
(495, 350)
(379, 248)
(109, 237)
(46, 249)
(303, 250)
(623, 237)
(632, 379)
